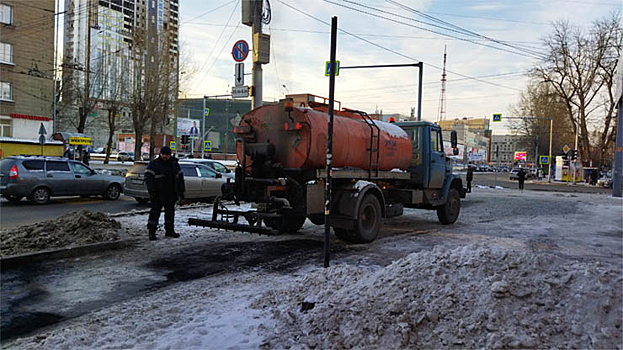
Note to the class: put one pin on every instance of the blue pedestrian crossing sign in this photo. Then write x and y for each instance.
(172, 145)
(207, 146)
(206, 112)
(497, 117)
(544, 159)
(327, 68)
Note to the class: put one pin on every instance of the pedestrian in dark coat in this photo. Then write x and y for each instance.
(469, 178)
(165, 183)
(86, 157)
(521, 175)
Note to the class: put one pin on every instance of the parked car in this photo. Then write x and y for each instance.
(39, 178)
(605, 181)
(214, 165)
(202, 183)
(125, 156)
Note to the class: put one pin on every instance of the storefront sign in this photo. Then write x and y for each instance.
(79, 140)
(29, 117)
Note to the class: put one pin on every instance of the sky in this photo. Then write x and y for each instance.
(503, 45)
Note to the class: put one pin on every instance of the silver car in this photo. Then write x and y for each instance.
(214, 165)
(201, 182)
(39, 178)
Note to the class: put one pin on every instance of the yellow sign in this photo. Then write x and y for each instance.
(79, 140)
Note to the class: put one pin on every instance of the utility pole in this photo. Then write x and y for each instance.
(85, 99)
(258, 93)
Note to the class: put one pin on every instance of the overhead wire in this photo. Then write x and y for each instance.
(394, 51)
(194, 84)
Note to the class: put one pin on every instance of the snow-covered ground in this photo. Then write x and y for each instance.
(518, 270)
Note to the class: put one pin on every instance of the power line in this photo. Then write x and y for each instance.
(396, 52)
(213, 48)
(207, 12)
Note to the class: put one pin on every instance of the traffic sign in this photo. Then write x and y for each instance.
(42, 130)
(207, 146)
(206, 111)
(327, 68)
(172, 145)
(240, 51)
(239, 80)
(566, 149)
(544, 159)
(239, 91)
(497, 117)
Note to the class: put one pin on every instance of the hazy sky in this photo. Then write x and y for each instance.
(300, 44)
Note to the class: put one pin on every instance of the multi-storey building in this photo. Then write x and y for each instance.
(108, 38)
(473, 134)
(503, 148)
(26, 67)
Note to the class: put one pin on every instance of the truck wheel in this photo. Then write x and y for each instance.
(289, 223)
(367, 225)
(449, 212)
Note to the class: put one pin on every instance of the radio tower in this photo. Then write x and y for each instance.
(441, 114)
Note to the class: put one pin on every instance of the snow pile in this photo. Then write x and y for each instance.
(470, 297)
(71, 229)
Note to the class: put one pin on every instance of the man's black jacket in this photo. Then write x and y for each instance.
(165, 179)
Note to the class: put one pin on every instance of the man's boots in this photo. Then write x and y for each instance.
(170, 232)
(152, 234)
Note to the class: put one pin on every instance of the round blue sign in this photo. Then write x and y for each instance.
(240, 51)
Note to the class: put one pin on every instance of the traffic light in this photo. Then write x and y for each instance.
(185, 139)
(574, 154)
(565, 157)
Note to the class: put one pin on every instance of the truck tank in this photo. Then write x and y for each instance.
(299, 136)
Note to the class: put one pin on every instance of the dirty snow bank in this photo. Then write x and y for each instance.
(71, 229)
(472, 297)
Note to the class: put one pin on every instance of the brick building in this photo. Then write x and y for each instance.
(26, 67)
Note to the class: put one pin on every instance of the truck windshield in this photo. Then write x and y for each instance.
(414, 136)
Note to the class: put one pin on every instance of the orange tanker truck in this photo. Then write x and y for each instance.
(378, 169)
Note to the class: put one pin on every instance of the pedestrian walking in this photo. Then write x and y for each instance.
(86, 157)
(521, 176)
(165, 183)
(469, 178)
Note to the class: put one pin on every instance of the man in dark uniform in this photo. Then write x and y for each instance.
(165, 183)
(469, 178)
(521, 176)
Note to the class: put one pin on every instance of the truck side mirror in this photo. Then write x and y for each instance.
(454, 142)
(453, 138)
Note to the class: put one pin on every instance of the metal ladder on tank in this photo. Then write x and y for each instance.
(374, 161)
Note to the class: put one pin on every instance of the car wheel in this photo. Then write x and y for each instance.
(141, 200)
(40, 195)
(12, 198)
(113, 192)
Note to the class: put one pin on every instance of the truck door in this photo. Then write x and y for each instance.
(437, 159)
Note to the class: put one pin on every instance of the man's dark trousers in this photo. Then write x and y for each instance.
(154, 214)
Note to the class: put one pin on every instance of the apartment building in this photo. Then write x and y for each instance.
(26, 67)
(107, 38)
(503, 148)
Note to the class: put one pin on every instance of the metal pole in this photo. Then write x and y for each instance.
(327, 192)
(575, 149)
(617, 172)
(419, 93)
(257, 67)
(203, 128)
(549, 166)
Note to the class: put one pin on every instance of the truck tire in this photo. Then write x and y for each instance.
(449, 211)
(289, 223)
(368, 222)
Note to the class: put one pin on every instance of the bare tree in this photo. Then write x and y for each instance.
(115, 96)
(580, 66)
(541, 100)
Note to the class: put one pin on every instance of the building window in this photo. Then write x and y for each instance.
(6, 53)
(6, 91)
(5, 128)
(6, 14)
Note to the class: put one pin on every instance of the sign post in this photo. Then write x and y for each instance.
(42, 133)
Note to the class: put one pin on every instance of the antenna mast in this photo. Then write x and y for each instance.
(441, 113)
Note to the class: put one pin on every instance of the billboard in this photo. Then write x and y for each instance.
(188, 127)
(520, 156)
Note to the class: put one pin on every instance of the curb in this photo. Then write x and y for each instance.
(16, 261)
